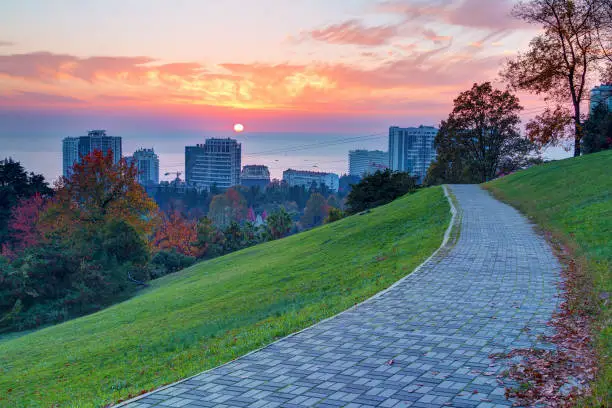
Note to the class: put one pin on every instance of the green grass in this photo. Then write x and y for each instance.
(573, 200)
(220, 309)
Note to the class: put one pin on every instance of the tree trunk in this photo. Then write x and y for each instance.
(578, 131)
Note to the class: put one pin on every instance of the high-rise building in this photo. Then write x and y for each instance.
(601, 94)
(216, 162)
(363, 162)
(147, 164)
(74, 148)
(255, 175)
(308, 178)
(70, 154)
(412, 149)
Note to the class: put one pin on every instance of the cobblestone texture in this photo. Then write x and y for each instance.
(491, 292)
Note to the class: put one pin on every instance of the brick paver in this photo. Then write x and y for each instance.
(492, 291)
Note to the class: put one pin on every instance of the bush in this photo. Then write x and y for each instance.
(379, 188)
(334, 215)
(169, 261)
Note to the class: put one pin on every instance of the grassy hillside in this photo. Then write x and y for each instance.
(573, 199)
(220, 309)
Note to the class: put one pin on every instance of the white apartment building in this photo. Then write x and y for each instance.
(601, 94)
(147, 164)
(307, 178)
(216, 162)
(74, 148)
(362, 162)
(412, 149)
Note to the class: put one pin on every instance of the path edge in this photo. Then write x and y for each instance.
(452, 225)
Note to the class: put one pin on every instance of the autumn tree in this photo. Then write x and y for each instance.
(316, 211)
(98, 191)
(237, 204)
(481, 133)
(15, 185)
(561, 62)
(177, 232)
(24, 231)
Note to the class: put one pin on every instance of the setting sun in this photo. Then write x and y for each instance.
(238, 128)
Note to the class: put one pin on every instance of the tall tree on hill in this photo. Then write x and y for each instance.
(480, 136)
(560, 62)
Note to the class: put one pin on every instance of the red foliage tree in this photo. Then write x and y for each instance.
(237, 204)
(23, 225)
(179, 233)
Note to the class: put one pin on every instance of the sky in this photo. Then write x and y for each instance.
(295, 72)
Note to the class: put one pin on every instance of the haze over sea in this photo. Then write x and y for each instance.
(41, 151)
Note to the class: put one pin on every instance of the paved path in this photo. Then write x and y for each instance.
(493, 291)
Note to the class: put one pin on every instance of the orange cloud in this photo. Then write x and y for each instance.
(391, 85)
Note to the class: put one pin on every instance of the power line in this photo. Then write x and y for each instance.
(317, 145)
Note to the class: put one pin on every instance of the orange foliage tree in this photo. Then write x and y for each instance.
(98, 191)
(177, 232)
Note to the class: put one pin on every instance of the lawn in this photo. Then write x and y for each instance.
(220, 309)
(572, 198)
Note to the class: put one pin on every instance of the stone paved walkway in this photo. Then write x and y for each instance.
(491, 292)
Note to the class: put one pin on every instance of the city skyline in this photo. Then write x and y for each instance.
(258, 159)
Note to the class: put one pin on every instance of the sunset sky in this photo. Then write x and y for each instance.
(170, 73)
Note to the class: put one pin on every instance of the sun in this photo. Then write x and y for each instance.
(238, 127)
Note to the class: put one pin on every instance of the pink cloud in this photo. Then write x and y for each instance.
(46, 66)
(354, 32)
(407, 47)
(37, 65)
(38, 99)
(431, 35)
(489, 14)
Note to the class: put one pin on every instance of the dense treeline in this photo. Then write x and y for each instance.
(97, 236)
